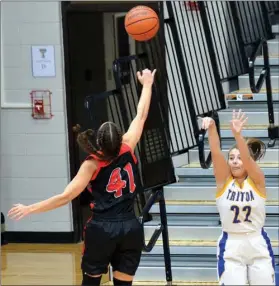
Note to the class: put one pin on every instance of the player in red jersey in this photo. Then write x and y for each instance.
(113, 235)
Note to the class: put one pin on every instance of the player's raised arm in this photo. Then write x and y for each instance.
(132, 136)
(220, 166)
(248, 157)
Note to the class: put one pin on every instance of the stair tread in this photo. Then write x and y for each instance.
(261, 164)
(227, 148)
(155, 222)
(175, 282)
(247, 127)
(210, 203)
(270, 55)
(248, 91)
(247, 75)
(197, 185)
(251, 112)
(275, 243)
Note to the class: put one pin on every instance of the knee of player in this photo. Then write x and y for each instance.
(91, 280)
(118, 282)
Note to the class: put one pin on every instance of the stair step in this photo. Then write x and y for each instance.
(161, 282)
(257, 117)
(249, 131)
(185, 232)
(194, 169)
(243, 81)
(208, 202)
(247, 127)
(275, 29)
(246, 95)
(194, 247)
(262, 132)
(203, 207)
(270, 155)
(256, 105)
(273, 59)
(229, 142)
(210, 180)
(273, 47)
(183, 191)
(182, 273)
(192, 270)
(205, 213)
(274, 70)
(211, 219)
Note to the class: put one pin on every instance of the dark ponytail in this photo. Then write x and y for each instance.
(105, 145)
(86, 140)
(257, 148)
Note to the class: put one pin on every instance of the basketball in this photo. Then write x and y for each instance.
(142, 23)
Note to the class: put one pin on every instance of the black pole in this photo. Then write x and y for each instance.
(268, 84)
(165, 236)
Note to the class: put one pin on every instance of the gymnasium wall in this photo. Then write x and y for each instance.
(34, 153)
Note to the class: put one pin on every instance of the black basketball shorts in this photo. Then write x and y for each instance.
(118, 243)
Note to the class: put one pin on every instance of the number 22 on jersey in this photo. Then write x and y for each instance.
(116, 184)
(246, 209)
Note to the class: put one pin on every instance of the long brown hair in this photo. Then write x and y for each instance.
(105, 144)
(256, 147)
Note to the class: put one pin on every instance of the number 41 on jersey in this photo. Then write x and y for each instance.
(116, 184)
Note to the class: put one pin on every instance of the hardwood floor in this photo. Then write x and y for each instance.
(41, 264)
(50, 264)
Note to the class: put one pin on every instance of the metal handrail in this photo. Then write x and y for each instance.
(273, 131)
(206, 163)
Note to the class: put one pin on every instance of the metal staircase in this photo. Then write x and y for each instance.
(193, 220)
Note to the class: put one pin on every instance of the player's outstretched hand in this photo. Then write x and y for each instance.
(146, 77)
(18, 211)
(238, 121)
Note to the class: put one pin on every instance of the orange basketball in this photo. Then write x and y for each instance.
(142, 23)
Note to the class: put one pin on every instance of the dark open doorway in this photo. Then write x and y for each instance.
(93, 36)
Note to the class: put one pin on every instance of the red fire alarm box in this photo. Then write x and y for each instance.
(41, 104)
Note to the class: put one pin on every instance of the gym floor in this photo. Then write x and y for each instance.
(41, 264)
(49, 264)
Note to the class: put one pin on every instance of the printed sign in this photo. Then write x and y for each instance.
(43, 61)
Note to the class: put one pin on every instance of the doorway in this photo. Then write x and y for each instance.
(94, 36)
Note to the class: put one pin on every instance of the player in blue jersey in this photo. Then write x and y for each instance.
(244, 249)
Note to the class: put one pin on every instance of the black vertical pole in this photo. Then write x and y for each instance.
(268, 84)
(165, 235)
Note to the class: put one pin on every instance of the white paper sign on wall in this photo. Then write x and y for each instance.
(43, 61)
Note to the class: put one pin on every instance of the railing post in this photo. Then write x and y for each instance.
(165, 236)
(273, 131)
(268, 84)
(205, 163)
